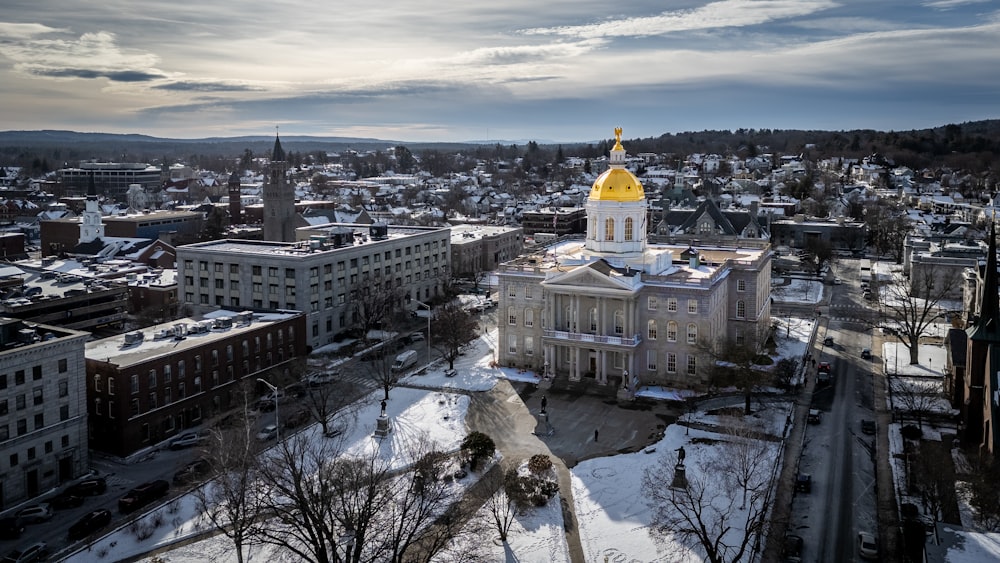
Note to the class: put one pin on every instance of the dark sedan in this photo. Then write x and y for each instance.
(90, 523)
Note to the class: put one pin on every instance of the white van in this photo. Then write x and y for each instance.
(405, 361)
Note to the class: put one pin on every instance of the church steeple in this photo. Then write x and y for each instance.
(988, 326)
(277, 153)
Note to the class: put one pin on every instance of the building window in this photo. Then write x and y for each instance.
(181, 392)
(134, 407)
(651, 329)
(511, 315)
(152, 401)
(180, 369)
(64, 412)
(19, 377)
(197, 385)
(3, 407)
(619, 322)
(693, 306)
(167, 396)
(167, 374)
(135, 383)
(692, 334)
(740, 339)
(593, 320)
(36, 373)
(628, 228)
(671, 331)
(20, 403)
(651, 360)
(111, 409)
(37, 396)
(65, 441)
(529, 318)
(741, 285)
(512, 344)
(97, 406)
(741, 309)
(692, 368)
(671, 362)
(529, 346)
(511, 291)
(63, 365)
(22, 426)
(63, 388)
(215, 358)
(609, 229)
(672, 304)
(152, 378)
(651, 303)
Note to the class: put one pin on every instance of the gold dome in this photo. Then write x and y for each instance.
(617, 184)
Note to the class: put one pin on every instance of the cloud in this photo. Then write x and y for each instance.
(726, 13)
(950, 4)
(206, 86)
(19, 31)
(93, 55)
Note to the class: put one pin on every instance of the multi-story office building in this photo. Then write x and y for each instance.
(43, 417)
(111, 178)
(481, 248)
(147, 386)
(319, 274)
(620, 311)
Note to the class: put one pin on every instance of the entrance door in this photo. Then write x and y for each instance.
(592, 365)
(65, 469)
(32, 476)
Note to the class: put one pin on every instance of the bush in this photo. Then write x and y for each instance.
(431, 466)
(539, 463)
(529, 491)
(479, 447)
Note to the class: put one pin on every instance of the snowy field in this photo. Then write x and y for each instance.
(798, 291)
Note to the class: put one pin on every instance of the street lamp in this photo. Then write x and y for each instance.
(277, 423)
(422, 304)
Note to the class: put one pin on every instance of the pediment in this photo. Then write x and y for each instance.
(587, 278)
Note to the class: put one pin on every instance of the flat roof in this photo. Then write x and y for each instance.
(361, 237)
(126, 350)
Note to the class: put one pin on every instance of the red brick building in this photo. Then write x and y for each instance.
(148, 386)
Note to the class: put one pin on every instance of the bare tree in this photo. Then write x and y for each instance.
(918, 397)
(888, 226)
(231, 501)
(741, 363)
(913, 305)
(743, 457)
(300, 476)
(454, 330)
(323, 401)
(820, 253)
(704, 515)
(373, 307)
(500, 508)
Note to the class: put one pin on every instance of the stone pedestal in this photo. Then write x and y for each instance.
(383, 427)
(680, 478)
(625, 395)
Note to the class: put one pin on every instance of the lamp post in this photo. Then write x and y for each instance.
(422, 304)
(277, 422)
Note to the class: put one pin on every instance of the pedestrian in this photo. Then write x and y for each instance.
(814, 362)
(595, 434)
(545, 403)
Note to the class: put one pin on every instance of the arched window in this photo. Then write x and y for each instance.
(529, 317)
(97, 383)
(592, 227)
(741, 309)
(672, 331)
(111, 386)
(609, 229)
(619, 322)
(593, 320)
(692, 334)
(651, 329)
(628, 228)
(511, 316)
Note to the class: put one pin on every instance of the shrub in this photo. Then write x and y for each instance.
(539, 463)
(529, 491)
(431, 465)
(479, 447)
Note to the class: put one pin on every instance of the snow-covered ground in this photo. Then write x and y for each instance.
(798, 291)
(613, 517)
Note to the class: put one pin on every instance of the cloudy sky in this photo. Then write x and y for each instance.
(552, 70)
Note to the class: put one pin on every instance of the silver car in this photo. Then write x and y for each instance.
(35, 513)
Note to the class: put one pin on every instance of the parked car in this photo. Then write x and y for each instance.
(296, 419)
(868, 426)
(867, 546)
(866, 354)
(803, 483)
(90, 523)
(824, 367)
(320, 378)
(89, 487)
(65, 500)
(296, 390)
(35, 513)
(791, 551)
(269, 432)
(815, 416)
(143, 495)
(187, 440)
(416, 337)
(11, 527)
(191, 472)
(37, 551)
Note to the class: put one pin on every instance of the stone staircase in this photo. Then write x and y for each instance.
(586, 386)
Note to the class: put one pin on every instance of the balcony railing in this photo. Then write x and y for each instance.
(631, 341)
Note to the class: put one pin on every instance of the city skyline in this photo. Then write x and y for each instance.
(554, 72)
